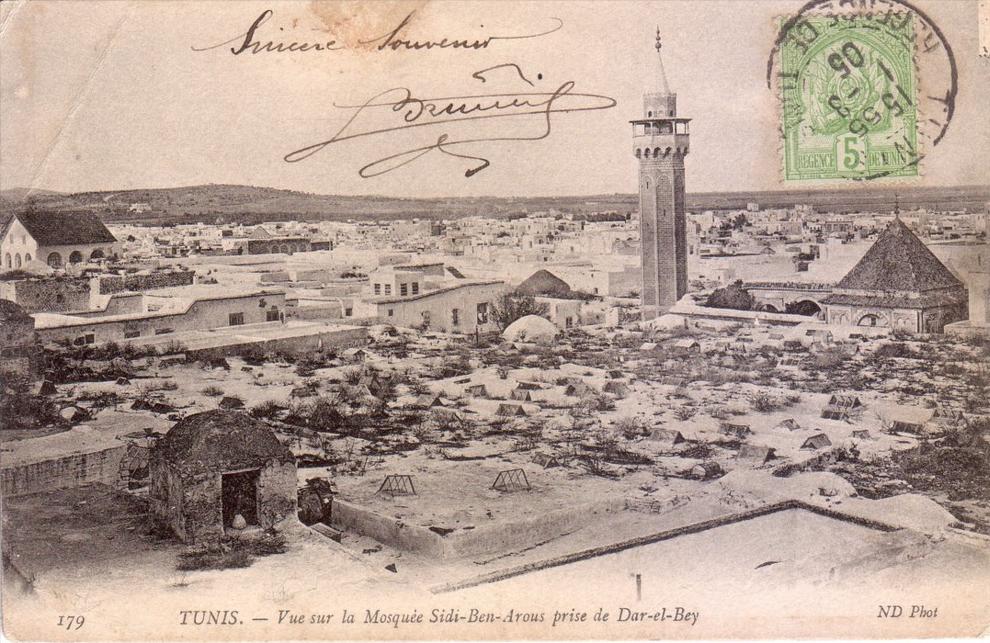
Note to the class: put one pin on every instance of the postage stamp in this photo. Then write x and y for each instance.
(850, 110)
(865, 89)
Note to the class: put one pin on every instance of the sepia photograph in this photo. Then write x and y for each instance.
(494, 320)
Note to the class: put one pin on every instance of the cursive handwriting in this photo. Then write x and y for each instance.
(393, 40)
(439, 113)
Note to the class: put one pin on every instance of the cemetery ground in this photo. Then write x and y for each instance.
(617, 435)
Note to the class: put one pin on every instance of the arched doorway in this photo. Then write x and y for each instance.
(55, 260)
(868, 320)
(75, 257)
(769, 308)
(17, 260)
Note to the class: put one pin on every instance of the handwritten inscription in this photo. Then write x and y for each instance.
(263, 38)
(530, 113)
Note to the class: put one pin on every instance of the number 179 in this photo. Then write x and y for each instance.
(71, 622)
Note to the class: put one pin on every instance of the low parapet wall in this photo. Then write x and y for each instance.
(566, 559)
(742, 316)
(68, 471)
(385, 529)
(488, 539)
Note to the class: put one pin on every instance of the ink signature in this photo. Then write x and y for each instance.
(528, 113)
(252, 42)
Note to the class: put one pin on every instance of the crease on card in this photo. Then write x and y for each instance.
(16, 7)
(79, 98)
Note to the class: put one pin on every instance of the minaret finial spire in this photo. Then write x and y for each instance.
(658, 45)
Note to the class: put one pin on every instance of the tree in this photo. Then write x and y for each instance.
(733, 296)
(511, 306)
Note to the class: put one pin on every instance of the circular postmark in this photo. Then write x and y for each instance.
(866, 89)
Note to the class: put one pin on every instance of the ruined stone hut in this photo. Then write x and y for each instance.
(212, 466)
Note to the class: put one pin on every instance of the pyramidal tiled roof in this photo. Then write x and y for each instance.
(898, 261)
(56, 229)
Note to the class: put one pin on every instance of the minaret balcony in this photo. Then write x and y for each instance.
(659, 145)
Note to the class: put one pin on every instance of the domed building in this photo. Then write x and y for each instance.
(218, 468)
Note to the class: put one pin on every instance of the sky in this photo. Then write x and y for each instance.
(114, 95)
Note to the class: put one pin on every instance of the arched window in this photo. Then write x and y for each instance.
(7, 261)
(75, 257)
(639, 153)
(656, 153)
(17, 260)
(55, 260)
(27, 257)
(96, 254)
(868, 320)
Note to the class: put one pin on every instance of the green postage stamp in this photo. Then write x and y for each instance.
(848, 92)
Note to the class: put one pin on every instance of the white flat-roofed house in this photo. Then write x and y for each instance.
(160, 316)
(459, 306)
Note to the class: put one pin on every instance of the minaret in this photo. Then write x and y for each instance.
(660, 142)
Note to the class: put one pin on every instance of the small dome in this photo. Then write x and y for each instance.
(531, 328)
(224, 440)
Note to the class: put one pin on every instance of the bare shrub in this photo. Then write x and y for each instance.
(631, 427)
(765, 403)
(171, 347)
(266, 410)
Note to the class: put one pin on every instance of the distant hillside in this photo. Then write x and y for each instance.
(13, 196)
(249, 204)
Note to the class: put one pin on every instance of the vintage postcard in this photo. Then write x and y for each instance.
(494, 320)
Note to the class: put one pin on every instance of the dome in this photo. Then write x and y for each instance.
(531, 328)
(222, 440)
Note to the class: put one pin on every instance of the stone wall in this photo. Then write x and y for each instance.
(192, 505)
(69, 471)
(277, 493)
(60, 294)
(19, 349)
(109, 284)
(165, 497)
(201, 513)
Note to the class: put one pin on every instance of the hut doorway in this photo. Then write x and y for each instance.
(240, 496)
